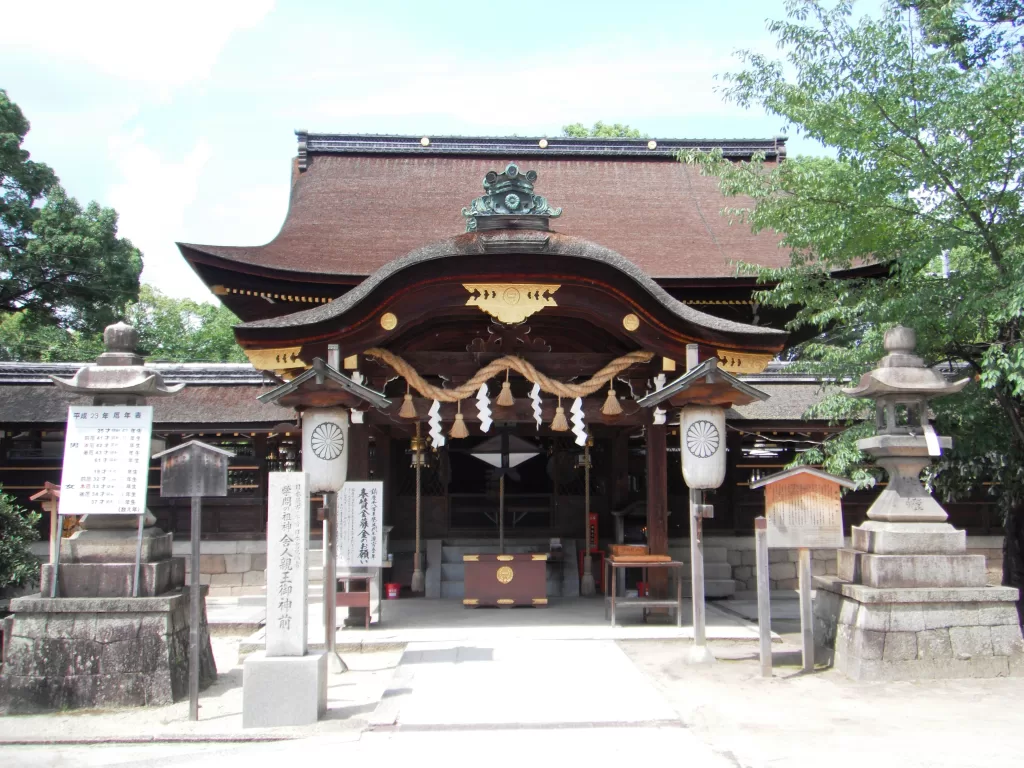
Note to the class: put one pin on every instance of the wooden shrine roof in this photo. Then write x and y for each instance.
(359, 202)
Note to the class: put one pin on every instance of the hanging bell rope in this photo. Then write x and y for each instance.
(559, 423)
(459, 428)
(611, 405)
(505, 396)
(509, 363)
(408, 409)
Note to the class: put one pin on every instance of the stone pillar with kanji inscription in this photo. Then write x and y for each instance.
(285, 684)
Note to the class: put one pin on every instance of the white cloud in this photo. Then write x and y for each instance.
(562, 87)
(162, 44)
(151, 199)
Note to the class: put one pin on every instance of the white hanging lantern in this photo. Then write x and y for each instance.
(702, 441)
(325, 448)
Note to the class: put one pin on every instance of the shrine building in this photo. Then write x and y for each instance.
(409, 271)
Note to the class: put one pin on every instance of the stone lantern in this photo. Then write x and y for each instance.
(909, 602)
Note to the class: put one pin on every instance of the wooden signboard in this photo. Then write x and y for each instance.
(804, 511)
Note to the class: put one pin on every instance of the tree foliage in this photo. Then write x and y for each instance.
(602, 131)
(924, 116)
(60, 264)
(18, 565)
(170, 330)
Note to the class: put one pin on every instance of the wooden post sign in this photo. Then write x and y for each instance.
(804, 512)
(361, 525)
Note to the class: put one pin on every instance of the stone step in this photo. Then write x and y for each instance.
(713, 588)
(453, 572)
(453, 589)
(711, 554)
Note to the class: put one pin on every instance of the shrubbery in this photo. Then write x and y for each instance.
(18, 566)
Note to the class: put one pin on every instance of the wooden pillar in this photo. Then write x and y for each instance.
(618, 492)
(382, 469)
(359, 452)
(657, 505)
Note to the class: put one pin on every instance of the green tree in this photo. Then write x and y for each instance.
(170, 330)
(183, 330)
(18, 565)
(60, 264)
(925, 184)
(602, 131)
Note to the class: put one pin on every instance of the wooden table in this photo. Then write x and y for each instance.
(612, 600)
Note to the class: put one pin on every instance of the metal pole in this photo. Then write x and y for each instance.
(56, 571)
(334, 661)
(501, 514)
(587, 587)
(138, 557)
(806, 616)
(417, 567)
(764, 601)
(700, 654)
(193, 595)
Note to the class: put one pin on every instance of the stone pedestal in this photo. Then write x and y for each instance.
(88, 653)
(283, 690)
(918, 633)
(909, 603)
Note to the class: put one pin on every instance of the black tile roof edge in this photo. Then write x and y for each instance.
(385, 144)
(242, 374)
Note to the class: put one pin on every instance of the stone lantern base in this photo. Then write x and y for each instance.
(909, 603)
(99, 653)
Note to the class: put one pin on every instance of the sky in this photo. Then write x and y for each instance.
(182, 115)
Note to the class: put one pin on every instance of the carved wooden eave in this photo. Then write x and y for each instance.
(322, 387)
(705, 384)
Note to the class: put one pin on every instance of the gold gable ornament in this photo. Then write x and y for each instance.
(510, 303)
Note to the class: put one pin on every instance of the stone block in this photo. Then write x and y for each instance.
(934, 644)
(112, 580)
(970, 642)
(254, 578)
(211, 564)
(115, 546)
(256, 546)
(819, 567)
(282, 691)
(782, 570)
(940, 615)
(997, 613)
(831, 567)
(750, 558)
(1006, 640)
(912, 571)
(793, 555)
(900, 646)
(259, 562)
(867, 644)
(204, 579)
(237, 563)
(734, 557)
(225, 580)
(887, 538)
(742, 572)
(907, 617)
(776, 556)
(787, 584)
(874, 617)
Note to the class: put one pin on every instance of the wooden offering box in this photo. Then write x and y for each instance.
(506, 580)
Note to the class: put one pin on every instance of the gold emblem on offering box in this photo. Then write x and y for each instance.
(505, 574)
(506, 601)
(510, 302)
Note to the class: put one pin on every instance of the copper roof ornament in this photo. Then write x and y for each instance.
(508, 202)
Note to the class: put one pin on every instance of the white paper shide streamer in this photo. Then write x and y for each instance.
(436, 435)
(578, 428)
(535, 399)
(325, 448)
(702, 442)
(659, 413)
(483, 408)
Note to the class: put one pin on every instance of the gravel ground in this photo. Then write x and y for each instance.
(797, 719)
